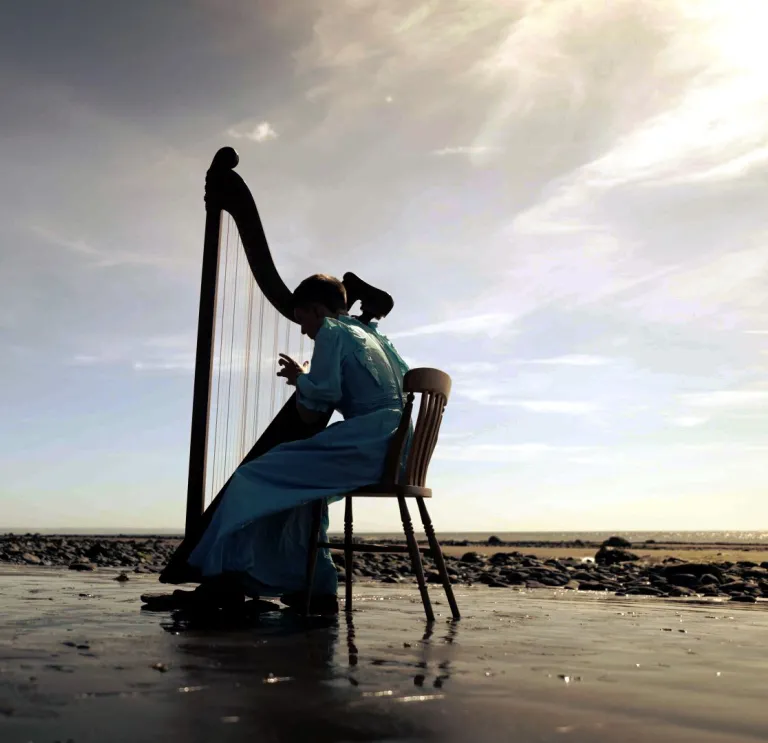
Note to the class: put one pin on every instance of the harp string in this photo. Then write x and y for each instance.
(230, 365)
(212, 475)
(259, 344)
(286, 350)
(273, 386)
(247, 366)
(249, 333)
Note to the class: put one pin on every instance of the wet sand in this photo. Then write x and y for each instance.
(80, 661)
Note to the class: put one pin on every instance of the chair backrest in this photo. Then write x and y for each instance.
(434, 386)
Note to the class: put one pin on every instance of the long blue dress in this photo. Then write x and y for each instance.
(261, 529)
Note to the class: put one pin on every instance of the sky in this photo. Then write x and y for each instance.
(564, 197)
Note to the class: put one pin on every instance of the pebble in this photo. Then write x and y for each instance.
(81, 566)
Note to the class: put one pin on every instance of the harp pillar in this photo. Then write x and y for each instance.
(201, 394)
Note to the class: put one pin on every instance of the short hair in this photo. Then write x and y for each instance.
(323, 289)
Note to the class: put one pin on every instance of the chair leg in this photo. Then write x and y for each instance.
(349, 553)
(314, 540)
(437, 554)
(413, 548)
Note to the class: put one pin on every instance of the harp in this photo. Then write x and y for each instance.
(240, 409)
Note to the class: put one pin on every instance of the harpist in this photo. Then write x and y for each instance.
(257, 541)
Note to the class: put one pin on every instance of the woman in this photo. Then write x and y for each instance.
(257, 541)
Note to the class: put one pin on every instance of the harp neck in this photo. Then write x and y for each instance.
(226, 190)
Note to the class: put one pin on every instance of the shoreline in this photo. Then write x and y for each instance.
(622, 569)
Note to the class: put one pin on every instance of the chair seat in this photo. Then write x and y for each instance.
(382, 490)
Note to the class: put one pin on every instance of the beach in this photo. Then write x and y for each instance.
(80, 661)
(736, 571)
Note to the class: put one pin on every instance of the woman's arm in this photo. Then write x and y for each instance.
(319, 390)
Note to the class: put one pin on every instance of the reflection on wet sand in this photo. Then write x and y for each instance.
(80, 661)
(305, 657)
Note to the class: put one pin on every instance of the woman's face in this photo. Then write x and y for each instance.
(310, 318)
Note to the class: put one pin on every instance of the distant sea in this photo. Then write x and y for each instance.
(688, 537)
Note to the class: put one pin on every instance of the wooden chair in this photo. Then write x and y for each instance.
(434, 387)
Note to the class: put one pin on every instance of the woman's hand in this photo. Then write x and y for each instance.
(290, 369)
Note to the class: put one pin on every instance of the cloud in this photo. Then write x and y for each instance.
(571, 360)
(262, 132)
(524, 452)
(726, 398)
(499, 396)
(183, 364)
(99, 257)
(491, 324)
(466, 150)
(474, 367)
(554, 406)
(155, 353)
(689, 421)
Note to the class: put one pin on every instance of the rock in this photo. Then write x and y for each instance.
(582, 575)
(593, 586)
(755, 572)
(472, 557)
(743, 598)
(494, 541)
(82, 566)
(708, 580)
(709, 590)
(515, 577)
(735, 587)
(121, 578)
(680, 591)
(611, 556)
(500, 558)
(551, 580)
(644, 591)
(31, 559)
(617, 542)
(692, 568)
(684, 579)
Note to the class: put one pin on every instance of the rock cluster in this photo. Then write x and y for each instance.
(614, 569)
(86, 553)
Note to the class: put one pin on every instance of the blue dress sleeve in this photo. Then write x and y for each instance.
(320, 388)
